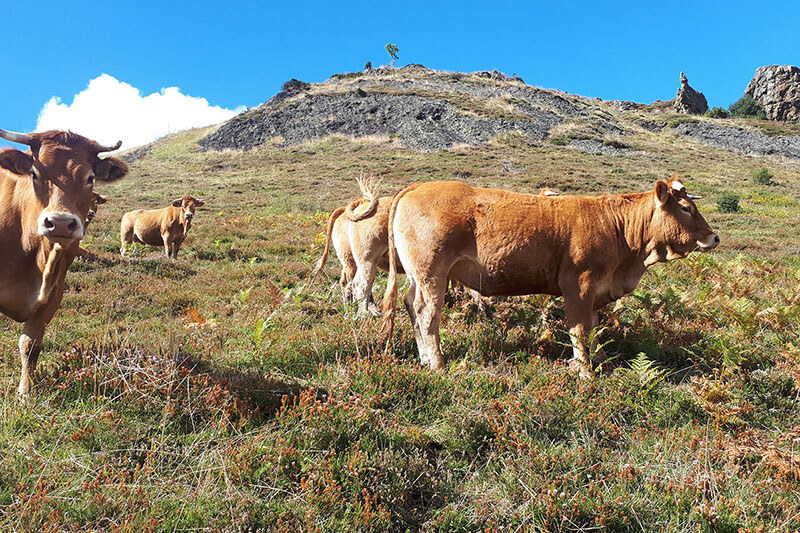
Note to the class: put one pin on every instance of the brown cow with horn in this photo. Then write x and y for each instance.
(45, 197)
(590, 250)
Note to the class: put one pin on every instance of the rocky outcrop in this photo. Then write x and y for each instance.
(740, 140)
(689, 101)
(423, 109)
(776, 88)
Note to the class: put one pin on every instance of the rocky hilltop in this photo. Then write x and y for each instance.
(425, 109)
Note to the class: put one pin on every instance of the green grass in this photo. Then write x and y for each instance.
(222, 392)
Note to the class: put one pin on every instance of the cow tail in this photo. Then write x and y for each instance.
(390, 296)
(369, 188)
(328, 236)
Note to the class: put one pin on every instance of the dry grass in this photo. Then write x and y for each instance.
(222, 392)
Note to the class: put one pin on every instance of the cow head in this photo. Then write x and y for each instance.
(678, 227)
(62, 167)
(188, 204)
(97, 199)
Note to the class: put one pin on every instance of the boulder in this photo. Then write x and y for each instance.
(688, 100)
(776, 88)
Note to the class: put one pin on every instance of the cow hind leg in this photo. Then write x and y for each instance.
(427, 306)
(346, 280)
(126, 238)
(362, 288)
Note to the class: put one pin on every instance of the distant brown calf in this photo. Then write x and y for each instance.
(165, 227)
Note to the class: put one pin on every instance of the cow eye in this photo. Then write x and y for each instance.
(686, 209)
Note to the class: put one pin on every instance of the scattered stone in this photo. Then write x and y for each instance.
(422, 108)
(591, 146)
(740, 140)
(688, 100)
(651, 125)
(776, 88)
(626, 105)
(509, 167)
(497, 75)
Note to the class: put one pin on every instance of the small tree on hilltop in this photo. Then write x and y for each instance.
(392, 49)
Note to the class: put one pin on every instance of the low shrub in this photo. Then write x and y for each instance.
(747, 107)
(717, 112)
(762, 176)
(728, 203)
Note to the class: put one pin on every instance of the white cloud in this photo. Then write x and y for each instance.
(109, 110)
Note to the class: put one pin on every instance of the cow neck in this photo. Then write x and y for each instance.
(634, 224)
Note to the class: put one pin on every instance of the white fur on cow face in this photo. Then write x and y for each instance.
(709, 243)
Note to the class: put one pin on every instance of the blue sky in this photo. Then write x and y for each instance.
(239, 53)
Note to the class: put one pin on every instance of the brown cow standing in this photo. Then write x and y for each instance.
(45, 196)
(590, 250)
(165, 227)
(97, 199)
(361, 243)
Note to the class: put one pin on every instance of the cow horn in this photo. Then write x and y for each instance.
(100, 148)
(694, 196)
(21, 138)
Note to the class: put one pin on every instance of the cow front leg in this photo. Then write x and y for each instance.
(30, 346)
(167, 245)
(581, 319)
(176, 246)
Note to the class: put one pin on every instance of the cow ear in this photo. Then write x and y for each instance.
(177, 202)
(16, 161)
(200, 202)
(110, 169)
(661, 193)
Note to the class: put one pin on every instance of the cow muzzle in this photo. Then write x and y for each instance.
(709, 243)
(60, 227)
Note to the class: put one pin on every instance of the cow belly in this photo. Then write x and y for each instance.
(502, 282)
(151, 236)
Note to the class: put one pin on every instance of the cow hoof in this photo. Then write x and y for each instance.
(582, 369)
(373, 310)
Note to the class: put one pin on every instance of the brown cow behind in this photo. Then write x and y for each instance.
(361, 244)
(165, 227)
(97, 199)
(590, 250)
(45, 194)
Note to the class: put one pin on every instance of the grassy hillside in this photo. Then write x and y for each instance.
(220, 391)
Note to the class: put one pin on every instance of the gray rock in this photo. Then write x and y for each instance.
(426, 110)
(591, 146)
(776, 88)
(741, 140)
(424, 124)
(688, 100)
